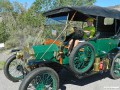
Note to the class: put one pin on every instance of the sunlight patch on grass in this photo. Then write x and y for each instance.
(2, 64)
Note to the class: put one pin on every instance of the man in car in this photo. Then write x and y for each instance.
(89, 32)
(90, 29)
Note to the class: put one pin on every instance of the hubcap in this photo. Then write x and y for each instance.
(43, 81)
(19, 67)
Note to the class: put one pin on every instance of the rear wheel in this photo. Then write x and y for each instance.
(82, 58)
(43, 78)
(13, 69)
(115, 68)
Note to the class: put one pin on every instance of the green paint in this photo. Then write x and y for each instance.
(104, 45)
(41, 49)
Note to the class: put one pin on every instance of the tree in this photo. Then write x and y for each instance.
(3, 33)
(19, 25)
(5, 6)
(44, 5)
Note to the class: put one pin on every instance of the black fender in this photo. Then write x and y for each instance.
(112, 54)
(15, 50)
(54, 65)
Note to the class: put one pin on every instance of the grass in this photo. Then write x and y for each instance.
(2, 64)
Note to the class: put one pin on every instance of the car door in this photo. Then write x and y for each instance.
(101, 46)
(104, 45)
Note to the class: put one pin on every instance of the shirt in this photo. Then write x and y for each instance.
(91, 29)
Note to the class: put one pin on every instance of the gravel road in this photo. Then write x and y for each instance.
(69, 82)
(5, 84)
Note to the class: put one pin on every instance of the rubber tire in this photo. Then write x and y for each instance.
(72, 55)
(32, 74)
(111, 70)
(6, 68)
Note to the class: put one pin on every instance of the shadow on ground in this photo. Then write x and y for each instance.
(67, 78)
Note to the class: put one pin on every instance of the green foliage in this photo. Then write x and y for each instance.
(73, 2)
(5, 6)
(44, 5)
(3, 33)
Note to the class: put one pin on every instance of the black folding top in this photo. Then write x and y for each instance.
(83, 10)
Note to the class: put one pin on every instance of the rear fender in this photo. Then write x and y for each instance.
(112, 54)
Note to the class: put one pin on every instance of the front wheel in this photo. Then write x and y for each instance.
(43, 78)
(115, 68)
(13, 69)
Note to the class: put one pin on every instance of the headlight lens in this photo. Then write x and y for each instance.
(19, 55)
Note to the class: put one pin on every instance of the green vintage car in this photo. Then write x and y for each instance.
(90, 56)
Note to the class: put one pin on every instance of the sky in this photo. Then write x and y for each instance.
(106, 3)
(29, 2)
(103, 3)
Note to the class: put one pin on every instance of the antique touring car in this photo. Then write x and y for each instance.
(90, 56)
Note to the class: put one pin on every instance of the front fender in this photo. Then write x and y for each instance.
(54, 65)
(15, 50)
(40, 62)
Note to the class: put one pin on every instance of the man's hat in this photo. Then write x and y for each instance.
(90, 19)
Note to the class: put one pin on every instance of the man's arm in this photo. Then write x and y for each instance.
(92, 32)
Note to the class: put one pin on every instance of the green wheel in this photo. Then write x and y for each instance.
(13, 69)
(82, 58)
(43, 78)
(115, 68)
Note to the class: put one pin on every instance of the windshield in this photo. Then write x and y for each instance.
(56, 20)
(54, 27)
